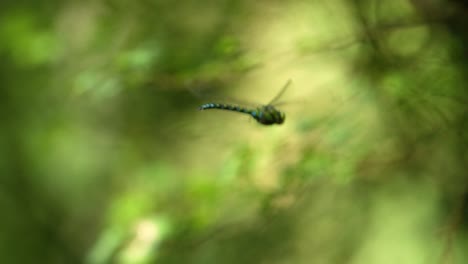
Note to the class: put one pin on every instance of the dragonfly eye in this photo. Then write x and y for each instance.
(282, 118)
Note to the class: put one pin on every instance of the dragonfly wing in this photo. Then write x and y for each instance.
(280, 93)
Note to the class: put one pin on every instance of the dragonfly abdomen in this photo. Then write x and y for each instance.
(228, 107)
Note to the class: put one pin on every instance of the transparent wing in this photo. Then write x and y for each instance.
(281, 92)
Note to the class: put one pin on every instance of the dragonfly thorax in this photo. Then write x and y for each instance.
(268, 115)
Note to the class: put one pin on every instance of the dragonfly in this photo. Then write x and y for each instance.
(264, 114)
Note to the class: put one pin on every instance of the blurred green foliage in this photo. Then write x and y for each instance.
(104, 157)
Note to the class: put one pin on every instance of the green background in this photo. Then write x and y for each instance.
(104, 157)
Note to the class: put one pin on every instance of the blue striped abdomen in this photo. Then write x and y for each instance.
(228, 107)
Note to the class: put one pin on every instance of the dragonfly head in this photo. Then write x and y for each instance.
(282, 117)
(277, 116)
